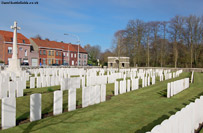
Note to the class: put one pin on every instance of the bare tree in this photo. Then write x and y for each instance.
(176, 25)
(38, 37)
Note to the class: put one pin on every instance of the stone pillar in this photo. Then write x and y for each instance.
(14, 62)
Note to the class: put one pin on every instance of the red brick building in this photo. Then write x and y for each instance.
(36, 51)
(82, 55)
(52, 52)
(25, 52)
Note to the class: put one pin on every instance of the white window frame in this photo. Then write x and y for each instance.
(10, 50)
(44, 61)
(25, 52)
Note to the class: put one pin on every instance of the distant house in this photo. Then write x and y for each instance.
(123, 62)
(52, 52)
(25, 52)
(82, 55)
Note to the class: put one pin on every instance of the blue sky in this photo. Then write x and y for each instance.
(94, 21)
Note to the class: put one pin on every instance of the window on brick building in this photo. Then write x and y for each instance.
(57, 61)
(71, 55)
(20, 48)
(75, 55)
(79, 55)
(26, 52)
(67, 53)
(56, 53)
(11, 39)
(52, 53)
(40, 52)
(49, 53)
(49, 61)
(23, 41)
(10, 50)
(44, 52)
(85, 56)
(44, 61)
(59, 53)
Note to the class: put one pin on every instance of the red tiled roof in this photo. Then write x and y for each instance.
(53, 44)
(7, 35)
(82, 50)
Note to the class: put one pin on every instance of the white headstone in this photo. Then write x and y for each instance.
(35, 107)
(85, 96)
(8, 112)
(71, 99)
(103, 93)
(48, 80)
(19, 88)
(148, 83)
(58, 102)
(121, 87)
(32, 82)
(116, 88)
(3, 89)
(44, 83)
(128, 85)
(97, 94)
(52, 80)
(168, 90)
(39, 82)
(12, 86)
(83, 81)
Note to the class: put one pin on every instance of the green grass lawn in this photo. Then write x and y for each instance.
(137, 111)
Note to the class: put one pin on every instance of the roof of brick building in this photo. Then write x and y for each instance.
(57, 45)
(8, 37)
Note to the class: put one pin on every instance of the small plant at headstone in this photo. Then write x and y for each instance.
(50, 89)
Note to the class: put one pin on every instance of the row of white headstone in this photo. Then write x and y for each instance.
(121, 87)
(8, 110)
(95, 80)
(186, 120)
(93, 95)
(169, 75)
(12, 88)
(147, 80)
(90, 96)
(175, 87)
(44, 81)
(70, 83)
